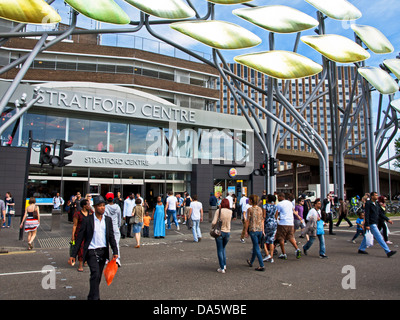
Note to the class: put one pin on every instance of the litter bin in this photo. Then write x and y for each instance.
(211, 213)
(55, 219)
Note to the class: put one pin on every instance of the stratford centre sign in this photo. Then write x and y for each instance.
(138, 107)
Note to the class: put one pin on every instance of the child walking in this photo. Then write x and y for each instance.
(360, 226)
(146, 225)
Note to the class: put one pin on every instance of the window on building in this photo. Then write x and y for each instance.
(118, 137)
(79, 133)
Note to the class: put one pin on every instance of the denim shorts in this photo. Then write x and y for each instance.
(137, 227)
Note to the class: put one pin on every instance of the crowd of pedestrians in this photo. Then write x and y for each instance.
(270, 221)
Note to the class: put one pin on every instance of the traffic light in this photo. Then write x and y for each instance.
(263, 168)
(262, 171)
(64, 153)
(273, 166)
(45, 154)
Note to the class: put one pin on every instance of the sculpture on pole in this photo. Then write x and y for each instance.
(279, 66)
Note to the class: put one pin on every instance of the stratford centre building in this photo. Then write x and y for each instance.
(126, 140)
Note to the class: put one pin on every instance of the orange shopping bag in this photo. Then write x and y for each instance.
(110, 271)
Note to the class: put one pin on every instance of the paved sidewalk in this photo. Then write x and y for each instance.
(50, 237)
(9, 237)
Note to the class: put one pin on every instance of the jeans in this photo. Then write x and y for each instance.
(173, 213)
(321, 239)
(221, 242)
(358, 232)
(8, 221)
(196, 230)
(256, 240)
(378, 237)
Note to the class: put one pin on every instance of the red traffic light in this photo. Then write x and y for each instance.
(45, 156)
(264, 166)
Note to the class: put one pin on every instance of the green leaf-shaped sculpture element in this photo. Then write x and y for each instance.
(379, 79)
(166, 9)
(277, 18)
(373, 39)
(336, 9)
(394, 66)
(28, 11)
(228, 1)
(337, 48)
(218, 34)
(280, 64)
(100, 10)
(396, 104)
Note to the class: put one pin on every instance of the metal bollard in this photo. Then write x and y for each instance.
(55, 219)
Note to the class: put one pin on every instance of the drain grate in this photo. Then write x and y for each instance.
(54, 242)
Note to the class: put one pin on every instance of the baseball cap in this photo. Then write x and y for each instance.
(109, 196)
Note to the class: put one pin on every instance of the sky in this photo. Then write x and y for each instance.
(381, 14)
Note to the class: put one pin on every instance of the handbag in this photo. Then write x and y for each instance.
(215, 231)
(124, 230)
(189, 223)
(369, 239)
(12, 212)
(320, 227)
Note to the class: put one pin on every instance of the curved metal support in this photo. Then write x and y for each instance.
(320, 142)
(43, 47)
(17, 80)
(20, 111)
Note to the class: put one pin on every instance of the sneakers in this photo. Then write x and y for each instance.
(267, 257)
(363, 252)
(389, 254)
(221, 270)
(323, 256)
(304, 251)
(283, 256)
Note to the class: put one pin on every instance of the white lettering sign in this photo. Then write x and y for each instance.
(113, 105)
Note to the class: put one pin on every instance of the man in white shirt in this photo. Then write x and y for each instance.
(285, 230)
(315, 215)
(243, 204)
(139, 197)
(57, 201)
(170, 210)
(129, 204)
(196, 214)
(230, 199)
(96, 236)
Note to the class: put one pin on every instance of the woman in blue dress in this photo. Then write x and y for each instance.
(270, 226)
(159, 219)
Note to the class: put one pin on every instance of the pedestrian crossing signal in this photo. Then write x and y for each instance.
(45, 154)
(262, 171)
